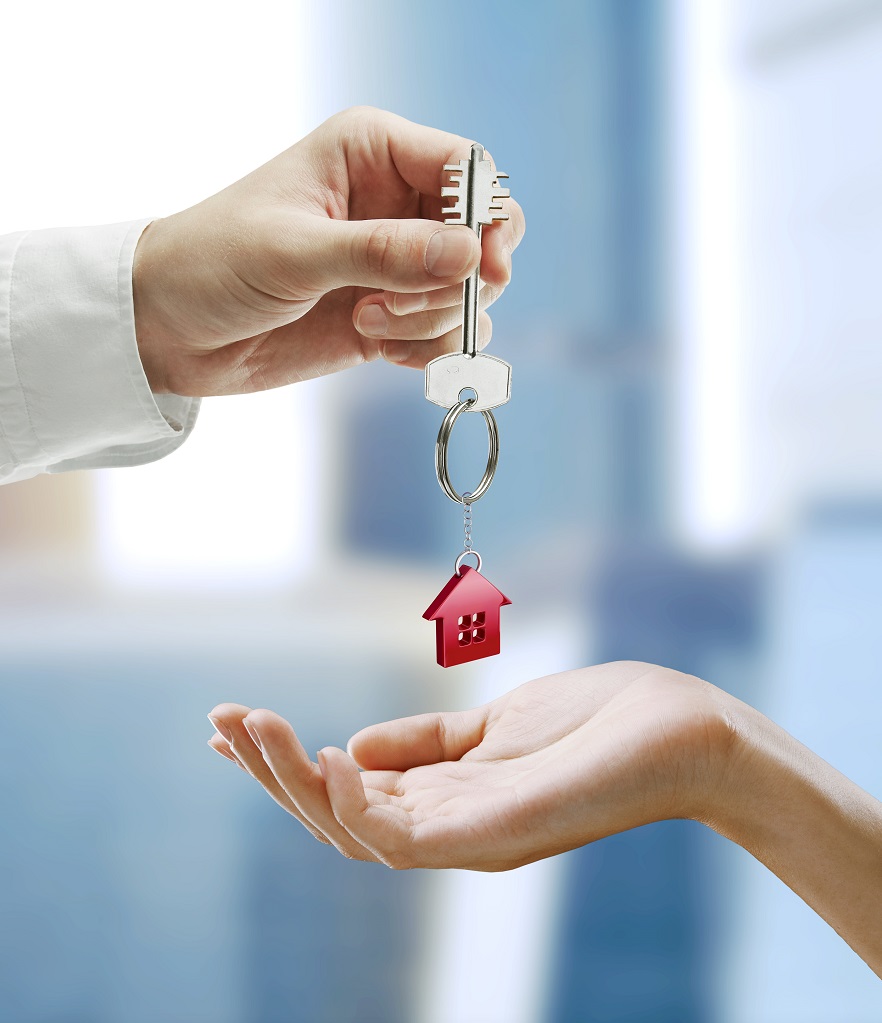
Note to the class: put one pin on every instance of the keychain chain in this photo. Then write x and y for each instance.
(467, 521)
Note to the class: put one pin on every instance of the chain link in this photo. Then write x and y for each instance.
(467, 520)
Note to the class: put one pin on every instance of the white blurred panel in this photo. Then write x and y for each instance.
(116, 111)
(813, 223)
(711, 508)
(778, 228)
(239, 503)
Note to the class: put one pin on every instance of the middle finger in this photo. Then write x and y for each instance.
(403, 303)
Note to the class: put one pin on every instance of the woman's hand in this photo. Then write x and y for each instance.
(569, 759)
(330, 255)
(557, 763)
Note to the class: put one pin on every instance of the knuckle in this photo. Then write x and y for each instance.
(381, 251)
(358, 113)
(439, 323)
(360, 124)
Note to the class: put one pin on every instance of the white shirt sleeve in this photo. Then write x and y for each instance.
(73, 394)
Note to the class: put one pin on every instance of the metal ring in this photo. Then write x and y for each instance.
(441, 454)
(464, 555)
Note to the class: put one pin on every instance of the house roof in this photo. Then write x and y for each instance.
(464, 593)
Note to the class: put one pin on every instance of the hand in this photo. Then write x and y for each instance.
(569, 759)
(328, 256)
(557, 763)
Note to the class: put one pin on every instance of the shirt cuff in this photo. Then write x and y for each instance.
(73, 393)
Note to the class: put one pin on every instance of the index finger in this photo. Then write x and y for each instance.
(417, 151)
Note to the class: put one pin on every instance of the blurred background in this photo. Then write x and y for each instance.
(692, 476)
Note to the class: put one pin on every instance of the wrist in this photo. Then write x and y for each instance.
(768, 784)
(148, 331)
(745, 773)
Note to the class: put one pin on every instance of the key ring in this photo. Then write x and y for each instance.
(441, 446)
(462, 558)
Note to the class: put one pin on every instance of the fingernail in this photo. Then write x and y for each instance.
(320, 760)
(252, 731)
(226, 756)
(506, 259)
(449, 252)
(221, 729)
(372, 320)
(396, 351)
(403, 305)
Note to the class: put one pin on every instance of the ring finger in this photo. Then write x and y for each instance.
(373, 318)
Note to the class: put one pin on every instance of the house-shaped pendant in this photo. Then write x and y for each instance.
(466, 616)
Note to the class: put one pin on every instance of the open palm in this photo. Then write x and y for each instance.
(559, 762)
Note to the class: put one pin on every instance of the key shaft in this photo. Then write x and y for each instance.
(472, 284)
(477, 197)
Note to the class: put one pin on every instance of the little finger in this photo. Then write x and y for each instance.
(415, 354)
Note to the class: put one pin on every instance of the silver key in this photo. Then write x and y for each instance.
(478, 194)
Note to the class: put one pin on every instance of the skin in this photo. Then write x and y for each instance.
(331, 255)
(567, 760)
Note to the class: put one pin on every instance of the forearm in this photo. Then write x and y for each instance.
(809, 824)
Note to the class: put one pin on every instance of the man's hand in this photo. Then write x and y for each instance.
(330, 255)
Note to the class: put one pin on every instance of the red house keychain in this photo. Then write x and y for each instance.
(466, 616)
(466, 611)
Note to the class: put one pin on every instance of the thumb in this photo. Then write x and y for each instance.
(394, 255)
(424, 739)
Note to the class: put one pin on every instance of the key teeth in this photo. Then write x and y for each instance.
(488, 193)
(454, 214)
